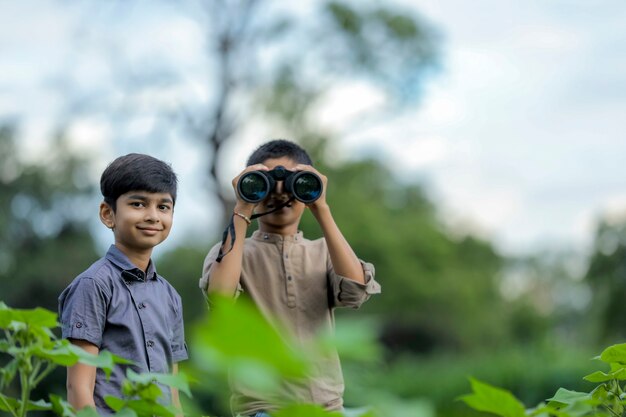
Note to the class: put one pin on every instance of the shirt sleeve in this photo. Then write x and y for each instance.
(206, 269)
(179, 347)
(82, 311)
(349, 293)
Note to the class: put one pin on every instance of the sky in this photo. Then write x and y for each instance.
(519, 137)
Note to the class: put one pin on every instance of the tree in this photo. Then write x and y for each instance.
(266, 57)
(607, 277)
(44, 235)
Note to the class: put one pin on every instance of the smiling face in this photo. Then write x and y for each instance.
(140, 221)
(286, 220)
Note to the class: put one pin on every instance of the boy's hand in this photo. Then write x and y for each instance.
(321, 201)
(243, 206)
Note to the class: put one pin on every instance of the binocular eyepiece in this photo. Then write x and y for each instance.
(255, 186)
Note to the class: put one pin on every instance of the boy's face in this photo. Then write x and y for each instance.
(286, 220)
(141, 220)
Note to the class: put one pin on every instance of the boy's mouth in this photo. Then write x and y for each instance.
(276, 203)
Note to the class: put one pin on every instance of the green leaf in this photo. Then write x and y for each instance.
(236, 331)
(104, 360)
(149, 408)
(115, 403)
(38, 317)
(353, 339)
(564, 396)
(60, 407)
(305, 410)
(256, 376)
(493, 400)
(88, 412)
(14, 404)
(178, 381)
(600, 376)
(126, 412)
(8, 372)
(615, 353)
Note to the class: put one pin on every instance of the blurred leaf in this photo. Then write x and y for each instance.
(61, 407)
(353, 340)
(615, 353)
(14, 404)
(600, 376)
(88, 412)
(105, 360)
(493, 400)
(178, 381)
(305, 410)
(237, 331)
(565, 396)
(37, 317)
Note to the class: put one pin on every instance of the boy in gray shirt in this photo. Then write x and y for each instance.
(120, 303)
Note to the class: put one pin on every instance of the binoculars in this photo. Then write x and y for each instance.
(255, 186)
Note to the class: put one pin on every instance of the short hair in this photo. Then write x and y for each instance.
(137, 172)
(279, 148)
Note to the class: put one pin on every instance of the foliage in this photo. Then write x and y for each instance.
(256, 49)
(607, 398)
(142, 394)
(44, 239)
(432, 280)
(531, 373)
(607, 277)
(236, 345)
(34, 352)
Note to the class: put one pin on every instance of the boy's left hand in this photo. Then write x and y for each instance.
(321, 201)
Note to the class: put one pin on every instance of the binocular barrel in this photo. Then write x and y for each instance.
(255, 186)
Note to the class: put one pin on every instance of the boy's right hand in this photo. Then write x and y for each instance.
(241, 205)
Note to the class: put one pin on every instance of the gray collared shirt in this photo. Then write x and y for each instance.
(117, 307)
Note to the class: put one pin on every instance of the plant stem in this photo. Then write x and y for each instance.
(8, 406)
(24, 381)
(46, 371)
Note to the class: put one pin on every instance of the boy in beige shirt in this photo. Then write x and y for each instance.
(290, 278)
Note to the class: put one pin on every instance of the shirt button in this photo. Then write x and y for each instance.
(266, 237)
(79, 325)
(150, 343)
(142, 305)
(289, 278)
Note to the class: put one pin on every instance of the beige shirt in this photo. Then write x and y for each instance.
(292, 279)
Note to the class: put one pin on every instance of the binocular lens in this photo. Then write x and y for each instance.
(307, 187)
(253, 187)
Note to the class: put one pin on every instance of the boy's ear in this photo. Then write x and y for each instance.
(107, 215)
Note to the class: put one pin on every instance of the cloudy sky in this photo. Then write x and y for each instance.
(519, 137)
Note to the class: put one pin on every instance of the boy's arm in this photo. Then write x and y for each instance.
(175, 396)
(343, 258)
(81, 379)
(223, 277)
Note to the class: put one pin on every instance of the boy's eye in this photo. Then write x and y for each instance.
(136, 203)
(164, 207)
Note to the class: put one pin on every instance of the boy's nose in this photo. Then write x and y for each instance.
(280, 187)
(152, 214)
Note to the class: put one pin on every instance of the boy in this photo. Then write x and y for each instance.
(120, 303)
(288, 277)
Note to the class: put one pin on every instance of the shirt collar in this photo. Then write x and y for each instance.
(117, 257)
(274, 237)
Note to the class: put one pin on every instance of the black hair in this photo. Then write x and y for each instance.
(137, 172)
(279, 148)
